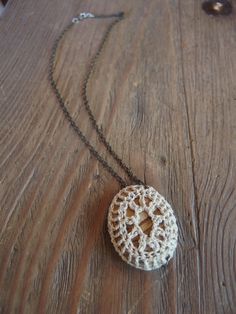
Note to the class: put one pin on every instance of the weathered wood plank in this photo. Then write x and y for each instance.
(209, 51)
(164, 92)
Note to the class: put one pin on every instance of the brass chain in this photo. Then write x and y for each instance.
(61, 101)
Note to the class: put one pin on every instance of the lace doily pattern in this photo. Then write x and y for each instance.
(142, 227)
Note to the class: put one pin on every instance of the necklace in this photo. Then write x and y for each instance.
(141, 223)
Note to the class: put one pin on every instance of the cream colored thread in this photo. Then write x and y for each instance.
(154, 249)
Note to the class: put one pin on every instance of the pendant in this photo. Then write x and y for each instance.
(142, 227)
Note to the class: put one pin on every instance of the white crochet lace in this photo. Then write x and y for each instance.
(142, 227)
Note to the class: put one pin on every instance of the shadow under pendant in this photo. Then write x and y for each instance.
(142, 227)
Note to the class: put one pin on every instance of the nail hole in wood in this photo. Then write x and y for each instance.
(3, 4)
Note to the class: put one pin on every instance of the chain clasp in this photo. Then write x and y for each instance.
(82, 16)
(87, 15)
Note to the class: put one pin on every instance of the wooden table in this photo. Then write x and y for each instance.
(164, 92)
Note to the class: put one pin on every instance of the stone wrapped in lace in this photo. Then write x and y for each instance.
(142, 227)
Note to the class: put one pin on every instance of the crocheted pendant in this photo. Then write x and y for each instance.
(142, 227)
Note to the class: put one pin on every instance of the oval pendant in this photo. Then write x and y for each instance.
(142, 227)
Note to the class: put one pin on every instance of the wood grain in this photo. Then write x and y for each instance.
(164, 91)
